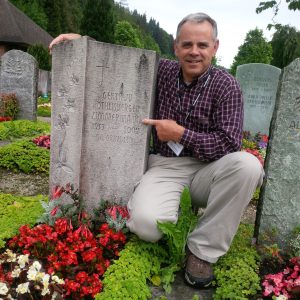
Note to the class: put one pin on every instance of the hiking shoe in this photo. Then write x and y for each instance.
(198, 272)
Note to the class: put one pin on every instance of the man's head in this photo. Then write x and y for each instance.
(196, 44)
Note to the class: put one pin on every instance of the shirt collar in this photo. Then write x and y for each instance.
(200, 79)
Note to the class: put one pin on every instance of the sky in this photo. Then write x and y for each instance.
(234, 17)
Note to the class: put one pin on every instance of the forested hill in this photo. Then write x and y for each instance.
(104, 20)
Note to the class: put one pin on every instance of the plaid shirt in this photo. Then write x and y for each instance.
(210, 109)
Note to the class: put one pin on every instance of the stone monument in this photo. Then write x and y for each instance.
(100, 94)
(19, 75)
(280, 194)
(44, 83)
(259, 85)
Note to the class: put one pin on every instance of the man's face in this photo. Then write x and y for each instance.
(195, 48)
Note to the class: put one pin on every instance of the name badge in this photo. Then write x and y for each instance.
(176, 147)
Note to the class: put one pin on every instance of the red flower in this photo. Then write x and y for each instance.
(57, 191)
(89, 255)
(81, 277)
(61, 225)
(54, 211)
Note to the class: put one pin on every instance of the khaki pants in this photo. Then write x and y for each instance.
(224, 187)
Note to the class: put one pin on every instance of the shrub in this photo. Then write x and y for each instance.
(23, 128)
(25, 156)
(8, 105)
(41, 54)
(16, 211)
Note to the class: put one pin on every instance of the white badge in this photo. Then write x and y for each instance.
(176, 147)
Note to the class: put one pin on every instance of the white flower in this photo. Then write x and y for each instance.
(45, 291)
(46, 279)
(40, 276)
(22, 260)
(3, 288)
(23, 288)
(57, 279)
(281, 297)
(16, 272)
(11, 256)
(36, 266)
(32, 274)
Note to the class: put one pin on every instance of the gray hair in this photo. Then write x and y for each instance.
(198, 18)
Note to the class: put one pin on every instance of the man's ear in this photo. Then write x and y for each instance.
(216, 46)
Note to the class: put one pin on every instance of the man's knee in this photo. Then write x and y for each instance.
(144, 224)
(247, 166)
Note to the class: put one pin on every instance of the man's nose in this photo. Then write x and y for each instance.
(194, 50)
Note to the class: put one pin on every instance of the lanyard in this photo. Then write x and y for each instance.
(195, 101)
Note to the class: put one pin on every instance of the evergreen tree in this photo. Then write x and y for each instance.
(255, 49)
(98, 20)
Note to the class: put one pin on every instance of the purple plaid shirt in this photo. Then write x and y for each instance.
(210, 109)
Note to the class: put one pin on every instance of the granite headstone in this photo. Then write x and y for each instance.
(100, 94)
(259, 85)
(280, 194)
(44, 83)
(19, 75)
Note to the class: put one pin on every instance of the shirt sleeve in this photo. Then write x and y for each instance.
(225, 133)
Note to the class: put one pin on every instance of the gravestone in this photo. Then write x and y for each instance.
(19, 75)
(280, 194)
(259, 85)
(44, 83)
(100, 94)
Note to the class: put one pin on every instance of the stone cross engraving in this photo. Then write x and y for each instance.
(259, 85)
(19, 75)
(100, 94)
(280, 194)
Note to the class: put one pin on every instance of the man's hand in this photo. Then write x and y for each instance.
(167, 130)
(64, 37)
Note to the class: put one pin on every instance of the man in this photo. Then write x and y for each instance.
(198, 132)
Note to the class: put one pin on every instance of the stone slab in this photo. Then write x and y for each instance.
(259, 85)
(19, 75)
(280, 195)
(100, 94)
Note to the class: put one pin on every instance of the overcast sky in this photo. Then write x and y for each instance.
(234, 17)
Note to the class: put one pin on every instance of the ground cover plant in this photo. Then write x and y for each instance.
(16, 211)
(9, 107)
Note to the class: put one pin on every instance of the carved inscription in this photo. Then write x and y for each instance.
(260, 95)
(13, 67)
(115, 118)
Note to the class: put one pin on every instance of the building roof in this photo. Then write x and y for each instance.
(16, 27)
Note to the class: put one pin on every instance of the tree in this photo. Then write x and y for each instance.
(126, 35)
(41, 54)
(286, 46)
(274, 4)
(255, 49)
(98, 20)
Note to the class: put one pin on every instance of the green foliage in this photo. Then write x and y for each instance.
(176, 234)
(16, 211)
(44, 111)
(127, 277)
(8, 105)
(22, 128)
(294, 242)
(126, 35)
(34, 10)
(237, 271)
(255, 49)
(99, 20)
(25, 156)
(286, 46)
(41, 54)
